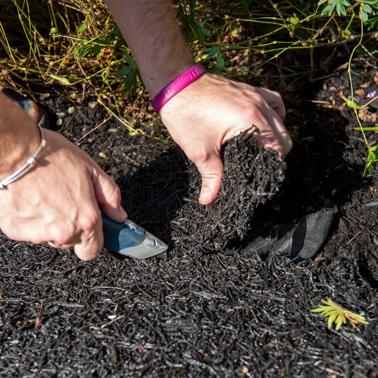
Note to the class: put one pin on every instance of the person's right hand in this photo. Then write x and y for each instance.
(213, 109)
(58, 201)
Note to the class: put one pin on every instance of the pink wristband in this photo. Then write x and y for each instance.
(177, 85)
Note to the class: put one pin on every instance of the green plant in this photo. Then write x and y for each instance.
(334, 5)
(372, 159)
(74, 44)
(337, 315)
(367, 8)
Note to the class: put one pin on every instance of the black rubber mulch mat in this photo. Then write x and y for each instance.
(196, 313)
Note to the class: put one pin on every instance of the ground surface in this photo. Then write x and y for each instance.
(201, 314)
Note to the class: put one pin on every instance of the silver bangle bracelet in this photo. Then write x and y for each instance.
(30, 163)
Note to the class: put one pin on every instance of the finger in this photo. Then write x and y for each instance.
(211, 171)
(274, 100)
(284, 134)
(91, 243)
(266, 137)
(273, 134)
(57, 234)
(280, 138)
(108, 196)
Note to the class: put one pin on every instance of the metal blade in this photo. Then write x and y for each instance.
(131, 240)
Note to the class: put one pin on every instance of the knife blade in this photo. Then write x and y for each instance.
(130, 239)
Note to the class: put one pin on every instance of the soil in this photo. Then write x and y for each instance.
(251, 177)
(202, 314)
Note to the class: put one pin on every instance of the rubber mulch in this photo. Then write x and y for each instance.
(197, 313)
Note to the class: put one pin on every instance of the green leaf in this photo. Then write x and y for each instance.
(340, 320)
(367, 8)
(318, 309)
(88, 48)
(200, 31)
(368, 168)
(372, 22)
(337, 315)
(81, 28)
(374, 128)
(332, 5)
(340, 9)
(216, 52)
(350, 103)
(129, 77)
(294, 20)
(331, 319)
(328, 10)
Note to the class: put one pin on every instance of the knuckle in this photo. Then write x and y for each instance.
(89, 222)
(63, 237)
(258, 98)
(255, 114)
(61, 233)
(277, 94)
(199, 156)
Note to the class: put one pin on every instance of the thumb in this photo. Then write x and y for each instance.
(108, 196)
(211, 172)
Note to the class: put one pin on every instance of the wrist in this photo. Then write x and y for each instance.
(23, 147)
(179, 83)
(161, 77)
(19, 137)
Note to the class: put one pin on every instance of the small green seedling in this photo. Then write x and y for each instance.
(372, 159)
(350, 103)
(353, 105)
(338, 315)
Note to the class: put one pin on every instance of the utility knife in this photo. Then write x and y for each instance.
(131, 240)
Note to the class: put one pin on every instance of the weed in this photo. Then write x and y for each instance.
(75, 46)
(366, 9)
(337, 315)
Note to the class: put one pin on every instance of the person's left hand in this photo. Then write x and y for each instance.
(213, 109)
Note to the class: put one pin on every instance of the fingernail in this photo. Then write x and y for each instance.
(205, 197)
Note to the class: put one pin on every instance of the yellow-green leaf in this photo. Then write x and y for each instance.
(350, 103)
(337, 315)
(331, 319)
(340, 321)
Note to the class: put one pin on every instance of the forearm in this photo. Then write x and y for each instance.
(18, 136)
(153, 35)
